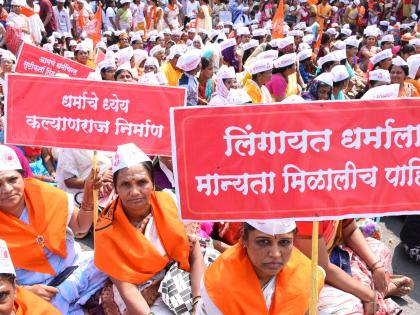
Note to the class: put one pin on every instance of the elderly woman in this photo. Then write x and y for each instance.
(81, 55)
(150, 234)
(226, 80)
(275, 271)
(6, 66)
(15, 299)
(38, 222)
(356, 270)
(399, 73)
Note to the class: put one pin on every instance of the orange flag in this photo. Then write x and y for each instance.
(94, 27)
(317, 44)
(277, 22)
(27, 11)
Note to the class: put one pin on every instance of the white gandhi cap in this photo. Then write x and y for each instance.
(128, 155)
(9, 161)
(273, 227)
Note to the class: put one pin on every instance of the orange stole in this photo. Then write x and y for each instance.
(233, 272)
(125, 254)
(48, 210)
(27, 303)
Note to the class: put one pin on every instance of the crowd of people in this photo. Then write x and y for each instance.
(146, 260)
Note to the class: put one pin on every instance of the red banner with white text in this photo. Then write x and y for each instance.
(311, 161)
(97, 115)
(35, 60)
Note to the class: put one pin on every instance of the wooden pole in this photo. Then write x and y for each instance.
(95, 193)
(314, 283)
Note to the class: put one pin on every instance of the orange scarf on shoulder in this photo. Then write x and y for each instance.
(125, 254)
(245, 296)
(48, 210)
(27, 303)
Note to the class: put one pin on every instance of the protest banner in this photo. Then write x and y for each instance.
(97, 115)
(311, 161)
(35, 60)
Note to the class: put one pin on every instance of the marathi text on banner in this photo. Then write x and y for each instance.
(74, 113)
(306, 161)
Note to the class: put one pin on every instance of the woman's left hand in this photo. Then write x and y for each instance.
(379, 280)
(93, 181)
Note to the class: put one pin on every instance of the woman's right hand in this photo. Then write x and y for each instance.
(370, 307)
(44, 291)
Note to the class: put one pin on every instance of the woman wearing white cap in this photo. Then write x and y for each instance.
(151, 240)
(81, 55)
(81, 16)
(341, 79)
(7, 66)
(38, 222)
(369, 47)
(399, 73)
(226, 80)
(320, 88)
(190, 64)
(261, 72)
(154, 16)
(263, 274)
(124, 17)
(15, 300)
(18, 22)
(414, 71)
(283, 68)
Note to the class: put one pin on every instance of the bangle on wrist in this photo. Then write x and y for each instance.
(378, 267)
(376, 262)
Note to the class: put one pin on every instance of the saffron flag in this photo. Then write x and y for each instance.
(94, 27)
(278, 21)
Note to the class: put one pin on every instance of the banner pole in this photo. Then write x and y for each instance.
(314, 279)
(95, 192)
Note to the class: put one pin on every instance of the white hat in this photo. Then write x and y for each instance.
(9, 160)
(128, 155)
(124, 1)
(228, 23)
(298, 33)
(259, 32)
(327, 58)
(339, 73)
(273, 43)
(68, 54)
(124, 55)
(243, 31)
(414, 16)
(113, 48)
(149, 78)
(226, 72)
(413, 65)
(356, 2)
(388, 38)
(190, 60)
(82, 47)
(384, 23)
(293, 99)
(136, 37)
(6, 265)
(284, 42)
(227, 43)
(414, 42)
(72, 43)
(155, 50)
(326, 78)
(48, 47)
(273, 227)
(269, 54)
(151, 61)
(57, 35)
(139, 56)
(125, 66)
(107, 33)
(340, 54)
(340, 44)
(305, 54)
(371, 31)
(383, 91)
(238, 97)
(107, 63)
(101, 44)
(398, 61)
(7, 54)
(300, 26)
(285, 60)
(352, 41)
(260, 65)
(346, 31)
(176, 50)
(332, 31)
(380, 75)
(18, 3)
(61, 1)
(382, 55)
(303, 46)
(110, 54)
(309, 38)
(251, 44)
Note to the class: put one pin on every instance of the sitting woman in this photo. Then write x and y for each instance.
(38, 222)
(399, 74)
(275, 271)
(226, 80)
(320, 88)
(151, 241)
(15, 299)
(283, 68)
(356, 270)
